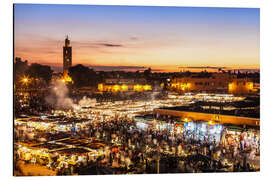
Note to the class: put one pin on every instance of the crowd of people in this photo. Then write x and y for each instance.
(132, 150)
(31, 103)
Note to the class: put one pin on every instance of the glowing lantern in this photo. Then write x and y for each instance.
(100, 87)
(138, 87)
(68, 79)
(116, 88)
(230, 86)
(250, 85)
(124, 87)
(147, 87)
(186, 119)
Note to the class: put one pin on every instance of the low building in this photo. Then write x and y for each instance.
(241, 86)
(124, 85)
(213, 83)
(242, 113)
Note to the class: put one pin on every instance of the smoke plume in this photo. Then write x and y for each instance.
(87, 102)
(59, 96)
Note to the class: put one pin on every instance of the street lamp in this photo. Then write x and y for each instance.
(25, 80)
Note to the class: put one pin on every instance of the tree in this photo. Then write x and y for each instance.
(38, 71)
(147, 72)
(83, 76)
(19, 69)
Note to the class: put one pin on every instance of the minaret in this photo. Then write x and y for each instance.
(67, 57)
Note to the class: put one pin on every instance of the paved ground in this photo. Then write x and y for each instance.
(34, 170)
(255, 162)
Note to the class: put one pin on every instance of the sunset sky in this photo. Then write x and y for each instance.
(133, 37)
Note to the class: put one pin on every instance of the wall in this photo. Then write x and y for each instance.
(223, 119)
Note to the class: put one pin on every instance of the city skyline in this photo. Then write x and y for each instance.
(136, 37)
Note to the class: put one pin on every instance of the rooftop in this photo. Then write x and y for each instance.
(250, 107)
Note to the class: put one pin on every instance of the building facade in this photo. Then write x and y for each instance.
(241, 86)
(116, 85)
(208, 117)
(213, 83)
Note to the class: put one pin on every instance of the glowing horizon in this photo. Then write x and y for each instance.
(163, 38)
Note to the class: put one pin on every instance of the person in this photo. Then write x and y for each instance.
(245, 162)
(204, 150)
(238, 165)
(179, 149)
(234, 167)
(248, 167)
(219, 164)
(71, 170)
(147, 167)
(127, 161)
(252, 154)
